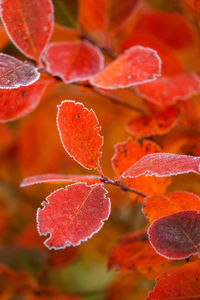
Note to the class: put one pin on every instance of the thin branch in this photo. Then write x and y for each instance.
(122, 186)
(111, 98)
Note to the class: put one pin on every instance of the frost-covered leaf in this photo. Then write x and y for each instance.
(55, 178)
(29, 24)
(176, 236)
(79, 133)
(16, 103)
(164, 164)
(73, 214)
(168, 90)
(136, 65)
(171, 63)
(15, 73)
(73, 61)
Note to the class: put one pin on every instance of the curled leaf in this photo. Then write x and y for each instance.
(136, 65)
(15, 73)
(73, 214)
(79, 133)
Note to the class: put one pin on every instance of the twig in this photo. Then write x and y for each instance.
(111, 98)
(122, 186)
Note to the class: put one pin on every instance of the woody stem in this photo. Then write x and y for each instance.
(122, 186)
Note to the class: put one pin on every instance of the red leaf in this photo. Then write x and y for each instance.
(167, 91)
(17, 103)
(89, 179)
(79, 133)
(163, 164)
(73, 61)
(178, 283)
(136, 65)
(73, 214)
(15, 73)
(158, 123)
(176, 236)
(29, 24)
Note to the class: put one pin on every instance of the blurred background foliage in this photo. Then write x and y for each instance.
(31, 145)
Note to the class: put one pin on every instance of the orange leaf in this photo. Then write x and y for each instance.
(136, 65)
(4, 37)
(38, 133)
(135, 253)
(171, 27)
(79, 133)
(100, 19)
(178, 283)
(171, 64)
(158, 123)
(129, 152)
(164, 205)
(15, 284)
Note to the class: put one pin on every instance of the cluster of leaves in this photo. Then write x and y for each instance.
(148, 54)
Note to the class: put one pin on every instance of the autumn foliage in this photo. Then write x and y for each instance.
(100, 99)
